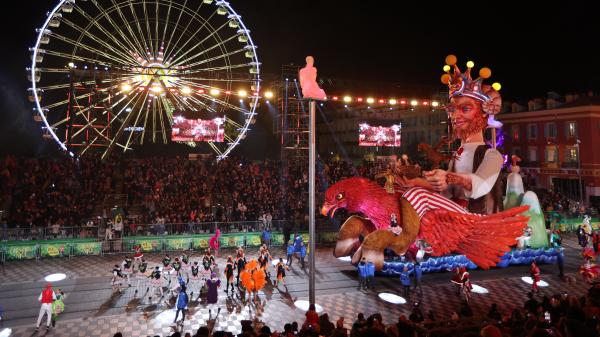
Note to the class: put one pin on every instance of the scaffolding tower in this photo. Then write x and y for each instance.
(292, 116)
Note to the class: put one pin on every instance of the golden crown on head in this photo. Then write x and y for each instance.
(462, 84)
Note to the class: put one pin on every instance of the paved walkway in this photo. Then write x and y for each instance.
(93, 310)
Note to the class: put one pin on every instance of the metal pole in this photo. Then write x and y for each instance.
(311, 200)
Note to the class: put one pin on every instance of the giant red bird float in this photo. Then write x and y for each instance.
(483, 239)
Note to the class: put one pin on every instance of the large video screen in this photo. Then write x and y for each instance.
(198, 130)
(378, 135)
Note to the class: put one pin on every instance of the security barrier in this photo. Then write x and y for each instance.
(22, 250)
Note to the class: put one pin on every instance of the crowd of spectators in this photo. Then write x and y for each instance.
(553, 201)
(60, 193)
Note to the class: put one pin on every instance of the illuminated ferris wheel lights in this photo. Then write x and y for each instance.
(414, 102)
(393, 101)
(156, 89)
(215, 92)
(242, 93)
(71, 65)
(200, 91)
(268, 94)
(370, 100)
(186, 90)
(435, 104)
(125, 87)
(347, 99)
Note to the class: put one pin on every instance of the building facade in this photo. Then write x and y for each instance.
(559, 147)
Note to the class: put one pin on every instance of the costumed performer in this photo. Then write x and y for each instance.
(281, 267)
(141, 275)
(534, 272)
(127, 270)
(240, 262)
(212, 285)
(465, 283)
(229, 267)
(589, 270)
(253, 278)
(156, 279)
(46, 298)
(58, 306)
(117, 278)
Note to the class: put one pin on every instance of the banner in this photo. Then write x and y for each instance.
(55, 249)
(253, 239)
(200, 242)
(328, 237)
(277, 239)
(178, 244)
(149, 245)
(231, 240)
(87, 248)
(20, 251)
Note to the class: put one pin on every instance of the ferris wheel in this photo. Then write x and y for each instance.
(109, 75)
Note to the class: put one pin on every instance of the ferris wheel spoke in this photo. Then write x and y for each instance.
(215, 148)
(106, 15)
(85, 31)
(213, 34)
(183, 9)
(148, 30)
(139, 28)
(134, 125)
(62, 86)
(134, 42)
(225, 55)
(205, 51)
(166, 23)
(116, 58)
(113, 141)
(162, 124)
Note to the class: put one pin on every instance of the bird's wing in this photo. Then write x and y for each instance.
(483, 239)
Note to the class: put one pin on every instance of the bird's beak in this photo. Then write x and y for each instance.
(328, 209)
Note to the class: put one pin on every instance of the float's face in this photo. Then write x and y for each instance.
(466, 115)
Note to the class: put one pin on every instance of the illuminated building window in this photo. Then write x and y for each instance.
(550, 130)
(551, 154)
(572, 129)
(532, 131)
(514, 131)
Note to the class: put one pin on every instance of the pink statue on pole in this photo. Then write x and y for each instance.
(213, 242)
(308, 81)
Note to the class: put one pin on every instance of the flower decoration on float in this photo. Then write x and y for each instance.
(462, 84)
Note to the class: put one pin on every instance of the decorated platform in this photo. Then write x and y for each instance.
(448, 263)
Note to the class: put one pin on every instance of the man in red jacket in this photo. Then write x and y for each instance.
(46, 298)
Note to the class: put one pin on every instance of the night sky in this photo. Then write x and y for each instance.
(530, 51)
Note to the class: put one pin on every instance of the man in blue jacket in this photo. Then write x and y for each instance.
(362, 274)
(418, 273)
(290, 253)
(302, 253)
(181, 305)
(405, 280)
(370, 275)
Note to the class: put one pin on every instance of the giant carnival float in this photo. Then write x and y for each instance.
(446, 219)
